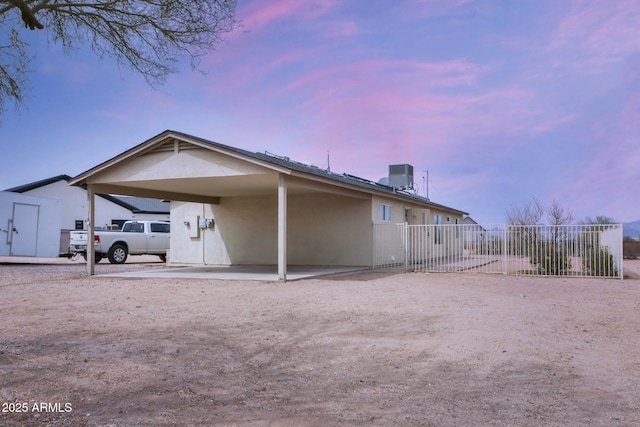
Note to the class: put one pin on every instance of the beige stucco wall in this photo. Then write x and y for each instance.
(448, 242)
(417, 214)
(329, 230)
(185, 249)
(323, 229)
(191, 163)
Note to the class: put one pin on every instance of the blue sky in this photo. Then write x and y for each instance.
(499, 101)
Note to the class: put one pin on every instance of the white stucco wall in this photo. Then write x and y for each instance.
(45, 229)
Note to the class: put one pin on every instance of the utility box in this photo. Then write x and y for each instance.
(206, 223)
(401, 176)
(29, 226)
(193, 223)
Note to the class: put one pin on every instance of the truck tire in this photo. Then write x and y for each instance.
(97, 257)
(118, 254)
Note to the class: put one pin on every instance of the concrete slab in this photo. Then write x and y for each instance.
(237, 272)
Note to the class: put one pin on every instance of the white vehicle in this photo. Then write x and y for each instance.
(136, 238)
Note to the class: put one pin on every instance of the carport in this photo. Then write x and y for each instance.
(182, 168)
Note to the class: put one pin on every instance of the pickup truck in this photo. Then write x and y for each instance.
(136, 238)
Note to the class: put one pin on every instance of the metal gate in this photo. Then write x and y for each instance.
(539, 250)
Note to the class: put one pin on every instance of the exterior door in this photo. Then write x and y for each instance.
(24, 233)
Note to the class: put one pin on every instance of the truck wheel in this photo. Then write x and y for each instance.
(117, 254)
(97, 257)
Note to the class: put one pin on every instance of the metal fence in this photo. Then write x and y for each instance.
(540, 250)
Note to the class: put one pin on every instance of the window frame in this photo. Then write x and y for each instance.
(385, 212)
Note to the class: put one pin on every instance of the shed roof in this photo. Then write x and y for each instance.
(140, 205)
(37, 184)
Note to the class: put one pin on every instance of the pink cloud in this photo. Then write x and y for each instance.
(258, 13)
(252, 58)
(434, 8)
(605, 30)
(610, 168)
(414, 97)
(396, 73)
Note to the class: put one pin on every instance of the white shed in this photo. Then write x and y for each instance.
(29, 226)
(109, 209)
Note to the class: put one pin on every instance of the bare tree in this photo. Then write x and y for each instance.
(558, 214)
(14, 65)
(149, 36)
(599, 219)
(529, 213)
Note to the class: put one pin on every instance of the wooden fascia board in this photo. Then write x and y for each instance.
(326, 186)
(82, 179)
(349, 189)
(356, 191)
(154, 194)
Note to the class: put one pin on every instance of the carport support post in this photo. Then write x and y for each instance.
(91, 264)
(282, 228)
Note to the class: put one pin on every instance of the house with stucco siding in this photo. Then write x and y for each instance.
(230, 206)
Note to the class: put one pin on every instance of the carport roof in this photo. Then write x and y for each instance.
(268, 160)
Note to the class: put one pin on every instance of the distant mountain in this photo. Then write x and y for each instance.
(631, 229)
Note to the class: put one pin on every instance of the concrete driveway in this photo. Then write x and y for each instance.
(239, 272)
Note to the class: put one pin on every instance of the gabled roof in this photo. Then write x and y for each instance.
(37, 184)
(469, 220)
(277, 163)
(140, 205)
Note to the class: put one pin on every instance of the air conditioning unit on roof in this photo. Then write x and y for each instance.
(401, 176)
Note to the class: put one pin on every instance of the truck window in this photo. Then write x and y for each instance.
(133, 227)
(160, 227)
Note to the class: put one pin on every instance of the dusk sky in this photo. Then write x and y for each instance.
(500, 101)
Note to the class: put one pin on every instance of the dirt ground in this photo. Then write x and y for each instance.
(351, 350)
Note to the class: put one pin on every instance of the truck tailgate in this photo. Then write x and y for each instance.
(78, 240)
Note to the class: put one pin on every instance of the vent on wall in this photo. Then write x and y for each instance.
(401, 176)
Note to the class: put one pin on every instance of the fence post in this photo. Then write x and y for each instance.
(406, 246)
(621, 251)
(374, 240)
(504, 250)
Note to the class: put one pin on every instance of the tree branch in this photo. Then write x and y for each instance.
(28, 16)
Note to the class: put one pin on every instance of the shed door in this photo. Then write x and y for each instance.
(25, 229)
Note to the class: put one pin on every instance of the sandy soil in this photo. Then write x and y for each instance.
(352, 350)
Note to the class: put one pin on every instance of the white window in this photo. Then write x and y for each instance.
(385, 212)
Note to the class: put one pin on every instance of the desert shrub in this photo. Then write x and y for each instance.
(631, 249)
(599, 262)
(551, 260)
